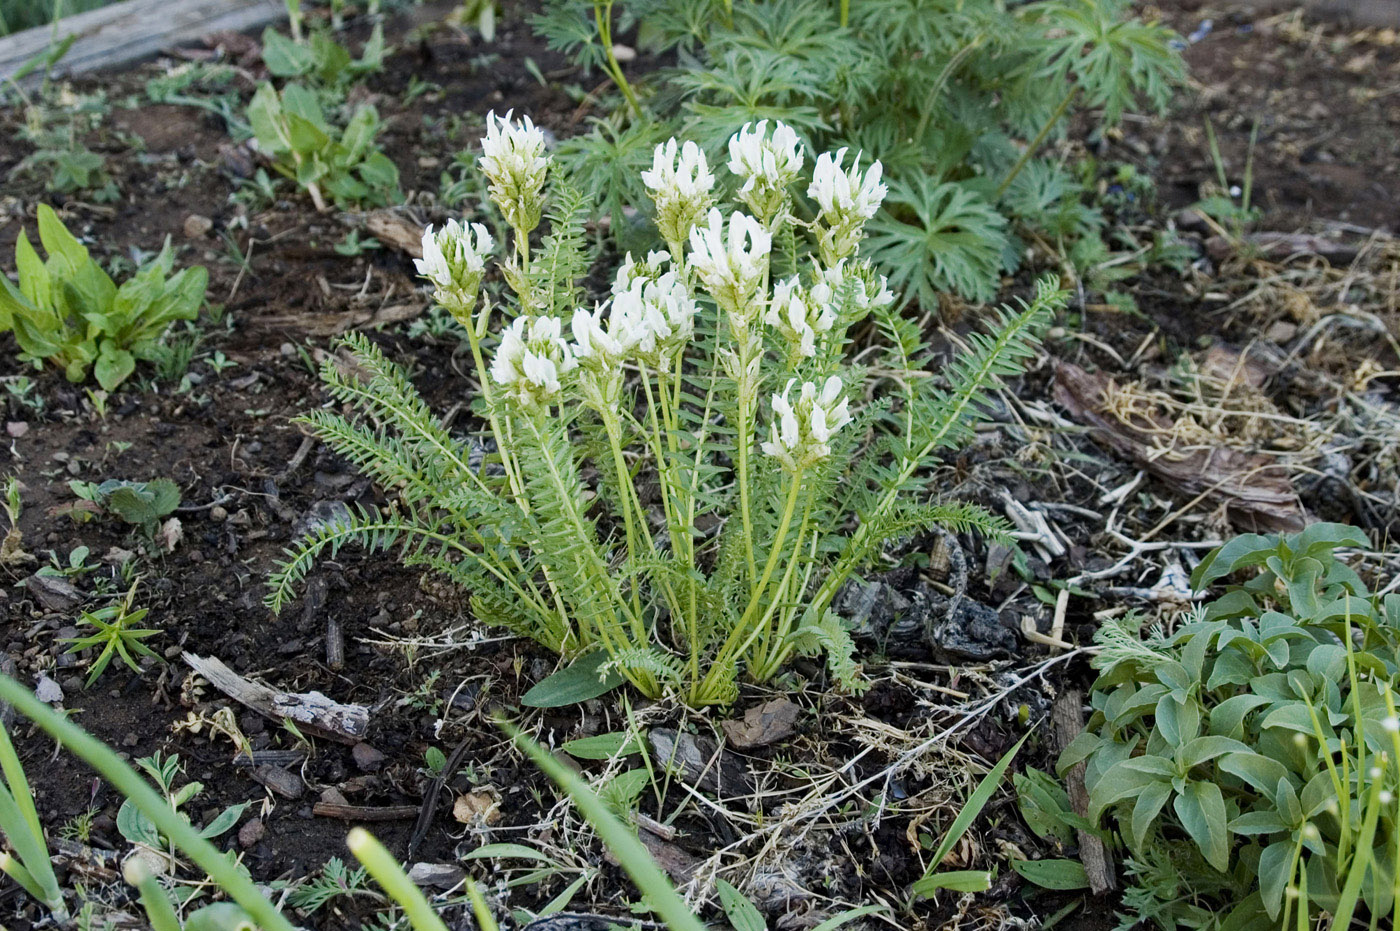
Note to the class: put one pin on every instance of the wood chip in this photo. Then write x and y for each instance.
(309, 711)
(363, 813)
(1068, 717)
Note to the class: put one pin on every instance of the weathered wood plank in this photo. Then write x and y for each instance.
(125, 32)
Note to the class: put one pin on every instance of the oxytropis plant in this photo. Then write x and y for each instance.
(674, 482)
(1249, 760)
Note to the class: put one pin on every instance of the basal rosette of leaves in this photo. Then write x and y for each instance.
(957, 98)
(68, 311)
(1249, 760)
(346, 167)
(670, 484)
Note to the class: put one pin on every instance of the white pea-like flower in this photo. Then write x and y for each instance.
(801, 430)
(454, 260)
(531, 359)
(768, 164)
(731, 262)
(800, 316)
(595, 346)
(513, 160)
(846, 199)
(680, 183)
(657, 316)
(653, 266)
(854, 286)
(1391, 724)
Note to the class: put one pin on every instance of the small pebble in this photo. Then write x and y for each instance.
(251, 833)
(197, 227)
(218, 514)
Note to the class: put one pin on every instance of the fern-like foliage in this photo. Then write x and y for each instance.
(954, 96)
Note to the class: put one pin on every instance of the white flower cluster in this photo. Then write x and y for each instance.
(680, 182)
(800, 431)
(732, 264)
(767, 164)
(801, 315)
(652, 316)
(531, 359)
(513, 160)
(854, 283)
(454, 260)
(846, 199)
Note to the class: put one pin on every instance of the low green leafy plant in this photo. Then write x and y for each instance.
(321, 59)
(56, 123)
(345, 166)
(1248, 761)
(958, 98)
(68, 311)
(142, 504)
(116, 634)
(139, 827)
(716, 373)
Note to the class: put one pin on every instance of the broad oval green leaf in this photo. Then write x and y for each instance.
(581, 680)
(1053, 874)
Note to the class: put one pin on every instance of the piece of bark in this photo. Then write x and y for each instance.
(1279, 245)
(395, 230)
(1256, 491)
(364, 813)
(279, 780)
(762, 725)
(309, 711)
(1068, 717)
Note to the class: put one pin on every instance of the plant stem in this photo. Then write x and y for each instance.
(602, 15)
(1036, 142)
(627, 492)
(743, 441)
(741, 636)
(845, 13)
(223, 871)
